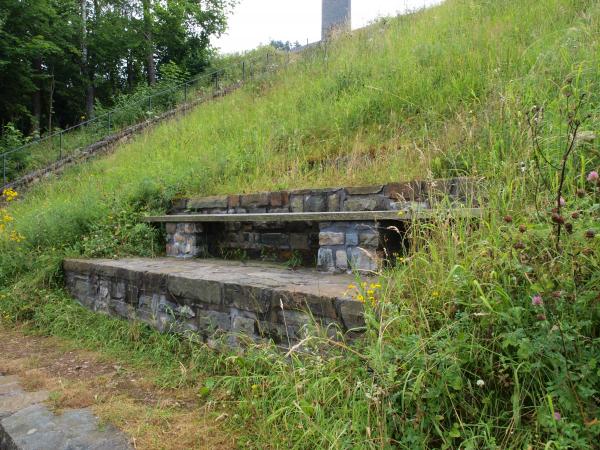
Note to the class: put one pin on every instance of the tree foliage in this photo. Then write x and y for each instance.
(59, 58)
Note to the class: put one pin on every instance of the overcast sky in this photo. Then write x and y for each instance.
(255, 22)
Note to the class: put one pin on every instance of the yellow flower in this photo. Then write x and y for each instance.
(351, 286)
(361, 298)
(435, 294)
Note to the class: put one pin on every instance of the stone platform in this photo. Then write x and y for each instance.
(27, 424)
(211, 297)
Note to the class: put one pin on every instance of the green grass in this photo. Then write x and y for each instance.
(440, 93)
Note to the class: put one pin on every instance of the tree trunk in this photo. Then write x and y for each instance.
(85, 70)
(37, 96)
(51, 101)
(150, 63)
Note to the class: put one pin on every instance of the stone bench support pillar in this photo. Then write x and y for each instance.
(345, 246)
(186, 240)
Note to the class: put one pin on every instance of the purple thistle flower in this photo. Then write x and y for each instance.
(593, 177)
(537, 300)
(562, 202)
(557, 415)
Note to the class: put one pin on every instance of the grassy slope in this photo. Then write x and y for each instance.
(439, 93)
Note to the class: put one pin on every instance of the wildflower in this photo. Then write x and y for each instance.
(575, 215)
(508, 219)
(593, 177)
(480, 383)
(541, 317)
(361, 298)
(435, 294)
(351, 286)
(562, 201)
(537, 300)
(580, 193)
(557, 415)
(590, 234)
(522, 228)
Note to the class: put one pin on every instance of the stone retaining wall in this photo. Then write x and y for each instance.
(210, 298)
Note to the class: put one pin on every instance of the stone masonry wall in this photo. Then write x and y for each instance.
(194, 297)
(333, 247)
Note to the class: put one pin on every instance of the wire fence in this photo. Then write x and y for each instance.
(53, 147)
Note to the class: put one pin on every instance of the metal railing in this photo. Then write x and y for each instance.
(43, 152)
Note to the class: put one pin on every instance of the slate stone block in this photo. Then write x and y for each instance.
(215, 201)
(315, 203)
(364, 190)
(363, 260)
(351, 312)
(331, 238)
(341, 259)
(255, 200)
(365, 203)
(297, 203)
(325, 261)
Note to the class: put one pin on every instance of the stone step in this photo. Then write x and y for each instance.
(208, 297)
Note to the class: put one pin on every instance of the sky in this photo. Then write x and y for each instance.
(255, 22)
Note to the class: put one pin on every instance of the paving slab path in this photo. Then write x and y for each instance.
(26, 423)
(61, 384)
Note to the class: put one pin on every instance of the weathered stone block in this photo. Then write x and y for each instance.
(405, 192)
(297, 203)
(325, 260)
(215, 201)
(244, 325)
(334, 202)
(233, 201)
(351, 313)
(279, 199)
(363, 260)
(331, 238)
(255, 200)
(351, 239)
(171, 228)
(247, 298)
(341, 259)
(364, 190)
(315, 203)
(203, 291)
(364, 203)
(369, 238)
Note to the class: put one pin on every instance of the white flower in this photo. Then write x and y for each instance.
(480, 383)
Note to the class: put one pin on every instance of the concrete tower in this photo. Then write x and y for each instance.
(336, 14)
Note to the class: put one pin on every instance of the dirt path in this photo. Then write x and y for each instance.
(152, 417)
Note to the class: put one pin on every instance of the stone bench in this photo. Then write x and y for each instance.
(355, 228)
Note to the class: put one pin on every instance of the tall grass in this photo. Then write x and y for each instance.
(455, 354)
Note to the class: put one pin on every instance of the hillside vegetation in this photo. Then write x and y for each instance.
(482, 337)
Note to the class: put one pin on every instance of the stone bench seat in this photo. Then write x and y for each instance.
(340, 229)
(406, 215)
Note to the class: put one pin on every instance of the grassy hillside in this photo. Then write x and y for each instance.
(460, 352)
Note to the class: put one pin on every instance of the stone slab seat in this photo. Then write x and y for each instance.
(407, 215)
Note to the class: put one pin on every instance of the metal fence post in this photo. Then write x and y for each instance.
(185, 92)
(4, 168)
(60, 139)
(149, 104)
(109, 124)
(216, 82)
(244, 70)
